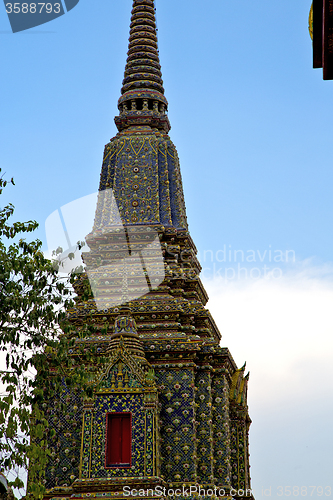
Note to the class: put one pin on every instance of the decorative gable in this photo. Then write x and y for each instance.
(125, 373)
(120, 423)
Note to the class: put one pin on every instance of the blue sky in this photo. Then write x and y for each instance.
(252, 122)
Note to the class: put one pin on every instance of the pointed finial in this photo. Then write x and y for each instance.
(142, 101)
(125, 324)
(143, 69)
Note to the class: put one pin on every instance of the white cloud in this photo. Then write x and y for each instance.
(274, 323)
(283, 328)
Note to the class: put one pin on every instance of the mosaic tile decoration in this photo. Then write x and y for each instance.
(132, 403)
(128, 163)
(204, 427)
(178, 446)
(186, 396)
(221, 425)
(64, 416)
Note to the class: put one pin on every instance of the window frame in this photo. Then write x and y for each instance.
(120, 465)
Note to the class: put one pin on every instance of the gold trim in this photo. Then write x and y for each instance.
(106, 156)
(120, 150)
(91, 434)
(82, 437)
(154, 441)
(152, 147)
(137, 153)
(145, 445)
(159, 149)
(122, 391)
(173, 157)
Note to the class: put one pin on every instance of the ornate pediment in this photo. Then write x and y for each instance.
(124, 373)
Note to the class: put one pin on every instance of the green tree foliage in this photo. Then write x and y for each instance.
(34, 338)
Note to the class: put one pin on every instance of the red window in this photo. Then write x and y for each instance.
(118, 440)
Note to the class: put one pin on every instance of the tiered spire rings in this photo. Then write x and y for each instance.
(142, 101)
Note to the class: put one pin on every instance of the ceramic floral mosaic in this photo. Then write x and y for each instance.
(161, 363)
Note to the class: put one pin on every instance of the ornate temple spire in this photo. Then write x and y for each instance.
(140, 166)
(169, 405)
(142, 101)
(143, 70)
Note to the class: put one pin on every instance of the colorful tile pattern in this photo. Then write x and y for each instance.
(187, 398)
